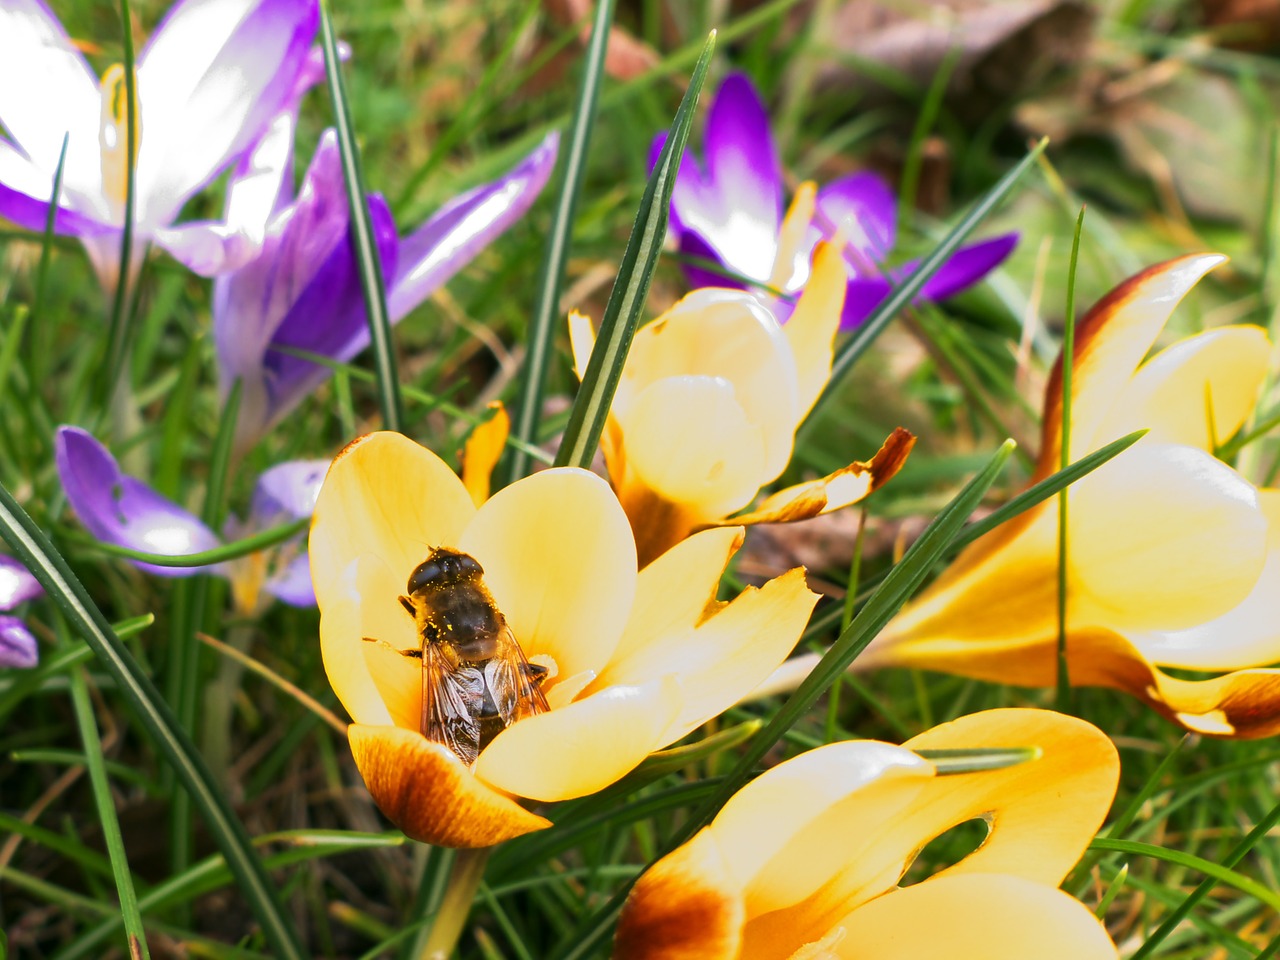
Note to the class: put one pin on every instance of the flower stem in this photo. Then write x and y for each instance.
(464, 881)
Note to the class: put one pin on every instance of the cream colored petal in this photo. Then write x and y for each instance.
(728, 334)
(429, 793)
(387, 497)
(1162, 538)
(482, 451)
(812, 329)
(839, 489)
(689, 440)
(1111, 341)
(1247, 635)
(1198, 391)
(673, 595)
(793, 233)
(685, 907)
(728, 654)
(560, 562)
(369, 682)
(582, 748)
(582, 340)
(974, 917)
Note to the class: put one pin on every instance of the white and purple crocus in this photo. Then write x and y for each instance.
(120, 509)
(727, 209)
(208, 83)
(17, 586)
(303, 291)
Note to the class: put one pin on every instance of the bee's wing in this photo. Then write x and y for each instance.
(451, 703)
(510, 680)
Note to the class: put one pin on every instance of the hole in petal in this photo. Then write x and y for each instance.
(946, 849)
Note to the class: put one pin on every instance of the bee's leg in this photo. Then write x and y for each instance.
(413, 654)
(408, 605)
(537, 672)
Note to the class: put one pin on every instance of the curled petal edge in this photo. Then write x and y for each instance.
(430, 794)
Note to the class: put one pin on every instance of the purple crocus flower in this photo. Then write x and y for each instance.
(303, 291)
(728, 209)
(212, 77)
(123, 510)
(17, 586)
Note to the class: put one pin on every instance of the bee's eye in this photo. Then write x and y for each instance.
(425, 574)
(469, 564)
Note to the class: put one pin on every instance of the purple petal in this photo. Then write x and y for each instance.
(24, 198)
(47, 89)
(735, 202)
(121, 509)
(293, 583)
(210, 81)
(287, 492)
(862, 296)
(17, 584)
(864, 206)
(17, 645)
(466, 225)
(968, 265)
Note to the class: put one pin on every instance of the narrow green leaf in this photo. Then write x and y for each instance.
(1064, 461)
(626, 300)
(95, 763)
(42, 344)
(368, 261)
(896, 589)
(33, 548)
(546, 309)
(118, 335)
(950, 762)
(228, 551)
(900, 296)
(176, 423)
(1213, 870)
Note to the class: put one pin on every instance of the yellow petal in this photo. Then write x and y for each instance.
(1198, 391)
(974, 917)
(583, 747)
(1163, 537)
(1042, 813)
(684, 907)
(582, 340)
(384, 504)
(689, 440)
(1248, 635)
(728, 654)
(728, 334)
(839, 489)
(791, 237)
(812, 329)
(1111, 341)
(560, 562)
(429, 793)
(482, 451)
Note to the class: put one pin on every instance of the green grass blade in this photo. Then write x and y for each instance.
(42, 347)
(228, 551)
(118, 335)
(33, 548)
(1064, 461)
(626, 300)
(551, 278)
(1213, 871)
(368, 262)
(896, 589)
(901, 295)
(130, 915)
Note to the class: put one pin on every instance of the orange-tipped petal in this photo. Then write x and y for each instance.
(974, 917)
(482, 451)
(1198, 391)
(812, 329)
(560, 561)
(1163, 537)
(583, 747)
(430, 794)
(687, 906)
(839, 489)
(1111, 341)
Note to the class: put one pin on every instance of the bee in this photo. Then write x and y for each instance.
(476, 681)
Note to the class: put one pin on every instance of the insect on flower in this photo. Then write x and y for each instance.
(476, 680)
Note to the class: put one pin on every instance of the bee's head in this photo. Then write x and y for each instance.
(442, 568)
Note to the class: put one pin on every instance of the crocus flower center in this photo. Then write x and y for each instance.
(113, 137)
